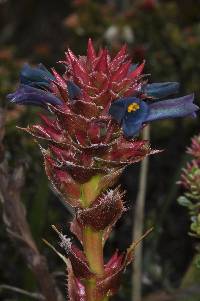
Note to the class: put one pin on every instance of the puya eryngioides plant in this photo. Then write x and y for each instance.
(190, 181)
(96, 109)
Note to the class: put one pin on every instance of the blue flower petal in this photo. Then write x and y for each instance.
(131, 121)
(118, 109)
(73, 90)
(38, 76)
(161, 90)
(27, 95)
(131, 128)
(132, 67)
(42, 67)
(172, 108)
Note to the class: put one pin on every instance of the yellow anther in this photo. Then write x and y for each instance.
(134, 106)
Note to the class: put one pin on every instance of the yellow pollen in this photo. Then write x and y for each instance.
(133, 107)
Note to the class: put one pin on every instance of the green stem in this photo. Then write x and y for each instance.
(106, 298)
(92, 241)
(93, 248)
(90, 289)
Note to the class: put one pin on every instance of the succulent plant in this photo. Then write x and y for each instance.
(190, 181)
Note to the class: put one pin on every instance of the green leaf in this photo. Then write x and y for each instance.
(183, 201)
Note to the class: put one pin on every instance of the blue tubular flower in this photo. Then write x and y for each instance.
(73, 90)
(132, 112)
(172, 108)
(161, 90)
(27, 95)
(36, 77)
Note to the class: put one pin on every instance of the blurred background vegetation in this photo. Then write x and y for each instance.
(167, 35)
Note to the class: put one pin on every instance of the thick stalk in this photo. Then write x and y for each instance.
(93, 248)
(92, 241)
